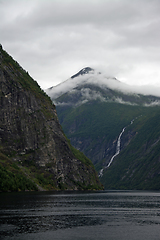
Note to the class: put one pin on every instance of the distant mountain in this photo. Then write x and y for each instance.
(34, 153)
(83, 71)
(93, 110)
(89, 84)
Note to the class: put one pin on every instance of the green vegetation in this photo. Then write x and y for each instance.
(28, 83)
(97, 124)
(33, 152)
(99, 119)
(45, 180)
(27, 176)
(93, 127)
(79, 155)
(137, 166)
(89, 187)
(24, 177)
(10, 181)
(12, 178)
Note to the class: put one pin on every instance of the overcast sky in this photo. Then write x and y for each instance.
(54, 39)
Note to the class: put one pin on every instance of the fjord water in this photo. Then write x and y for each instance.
(109, 215)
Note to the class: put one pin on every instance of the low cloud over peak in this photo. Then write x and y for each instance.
(51, 39)
(101, 79)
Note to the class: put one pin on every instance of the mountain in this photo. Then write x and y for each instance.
(89, 85)
(34, 152)
(94, 109)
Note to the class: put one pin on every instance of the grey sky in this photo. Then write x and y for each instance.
(54, 39)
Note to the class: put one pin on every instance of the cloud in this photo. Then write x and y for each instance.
(53, 40)
(105, 82)
(152, 104)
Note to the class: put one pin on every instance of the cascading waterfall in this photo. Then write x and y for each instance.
(117, 147)
(117, 150)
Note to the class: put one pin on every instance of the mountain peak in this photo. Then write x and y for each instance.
(85, 70)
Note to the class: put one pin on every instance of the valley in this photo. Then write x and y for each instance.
(94, 113)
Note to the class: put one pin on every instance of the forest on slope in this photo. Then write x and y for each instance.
(93, 115)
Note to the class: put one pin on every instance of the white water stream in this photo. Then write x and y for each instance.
(117, 150)
(117, 147)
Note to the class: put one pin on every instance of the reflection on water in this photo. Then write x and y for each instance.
(125, 215)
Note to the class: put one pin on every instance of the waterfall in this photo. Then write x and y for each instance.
(117, 150)
(117, 147)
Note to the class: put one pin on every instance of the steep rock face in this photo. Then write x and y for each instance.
(30, 132)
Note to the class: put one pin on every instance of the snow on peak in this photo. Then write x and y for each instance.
(85, 76)
(92, 76)
(84, 71)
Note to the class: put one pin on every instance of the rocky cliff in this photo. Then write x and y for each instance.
(31, 136)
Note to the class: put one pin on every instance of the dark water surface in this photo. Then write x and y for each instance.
(109, 215)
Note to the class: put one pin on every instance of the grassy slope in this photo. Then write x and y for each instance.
(138, 166)
(97, 119)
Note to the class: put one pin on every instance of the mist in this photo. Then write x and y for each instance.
(52, 39)
(103, 80)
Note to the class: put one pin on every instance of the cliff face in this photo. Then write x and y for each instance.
(30, 132)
